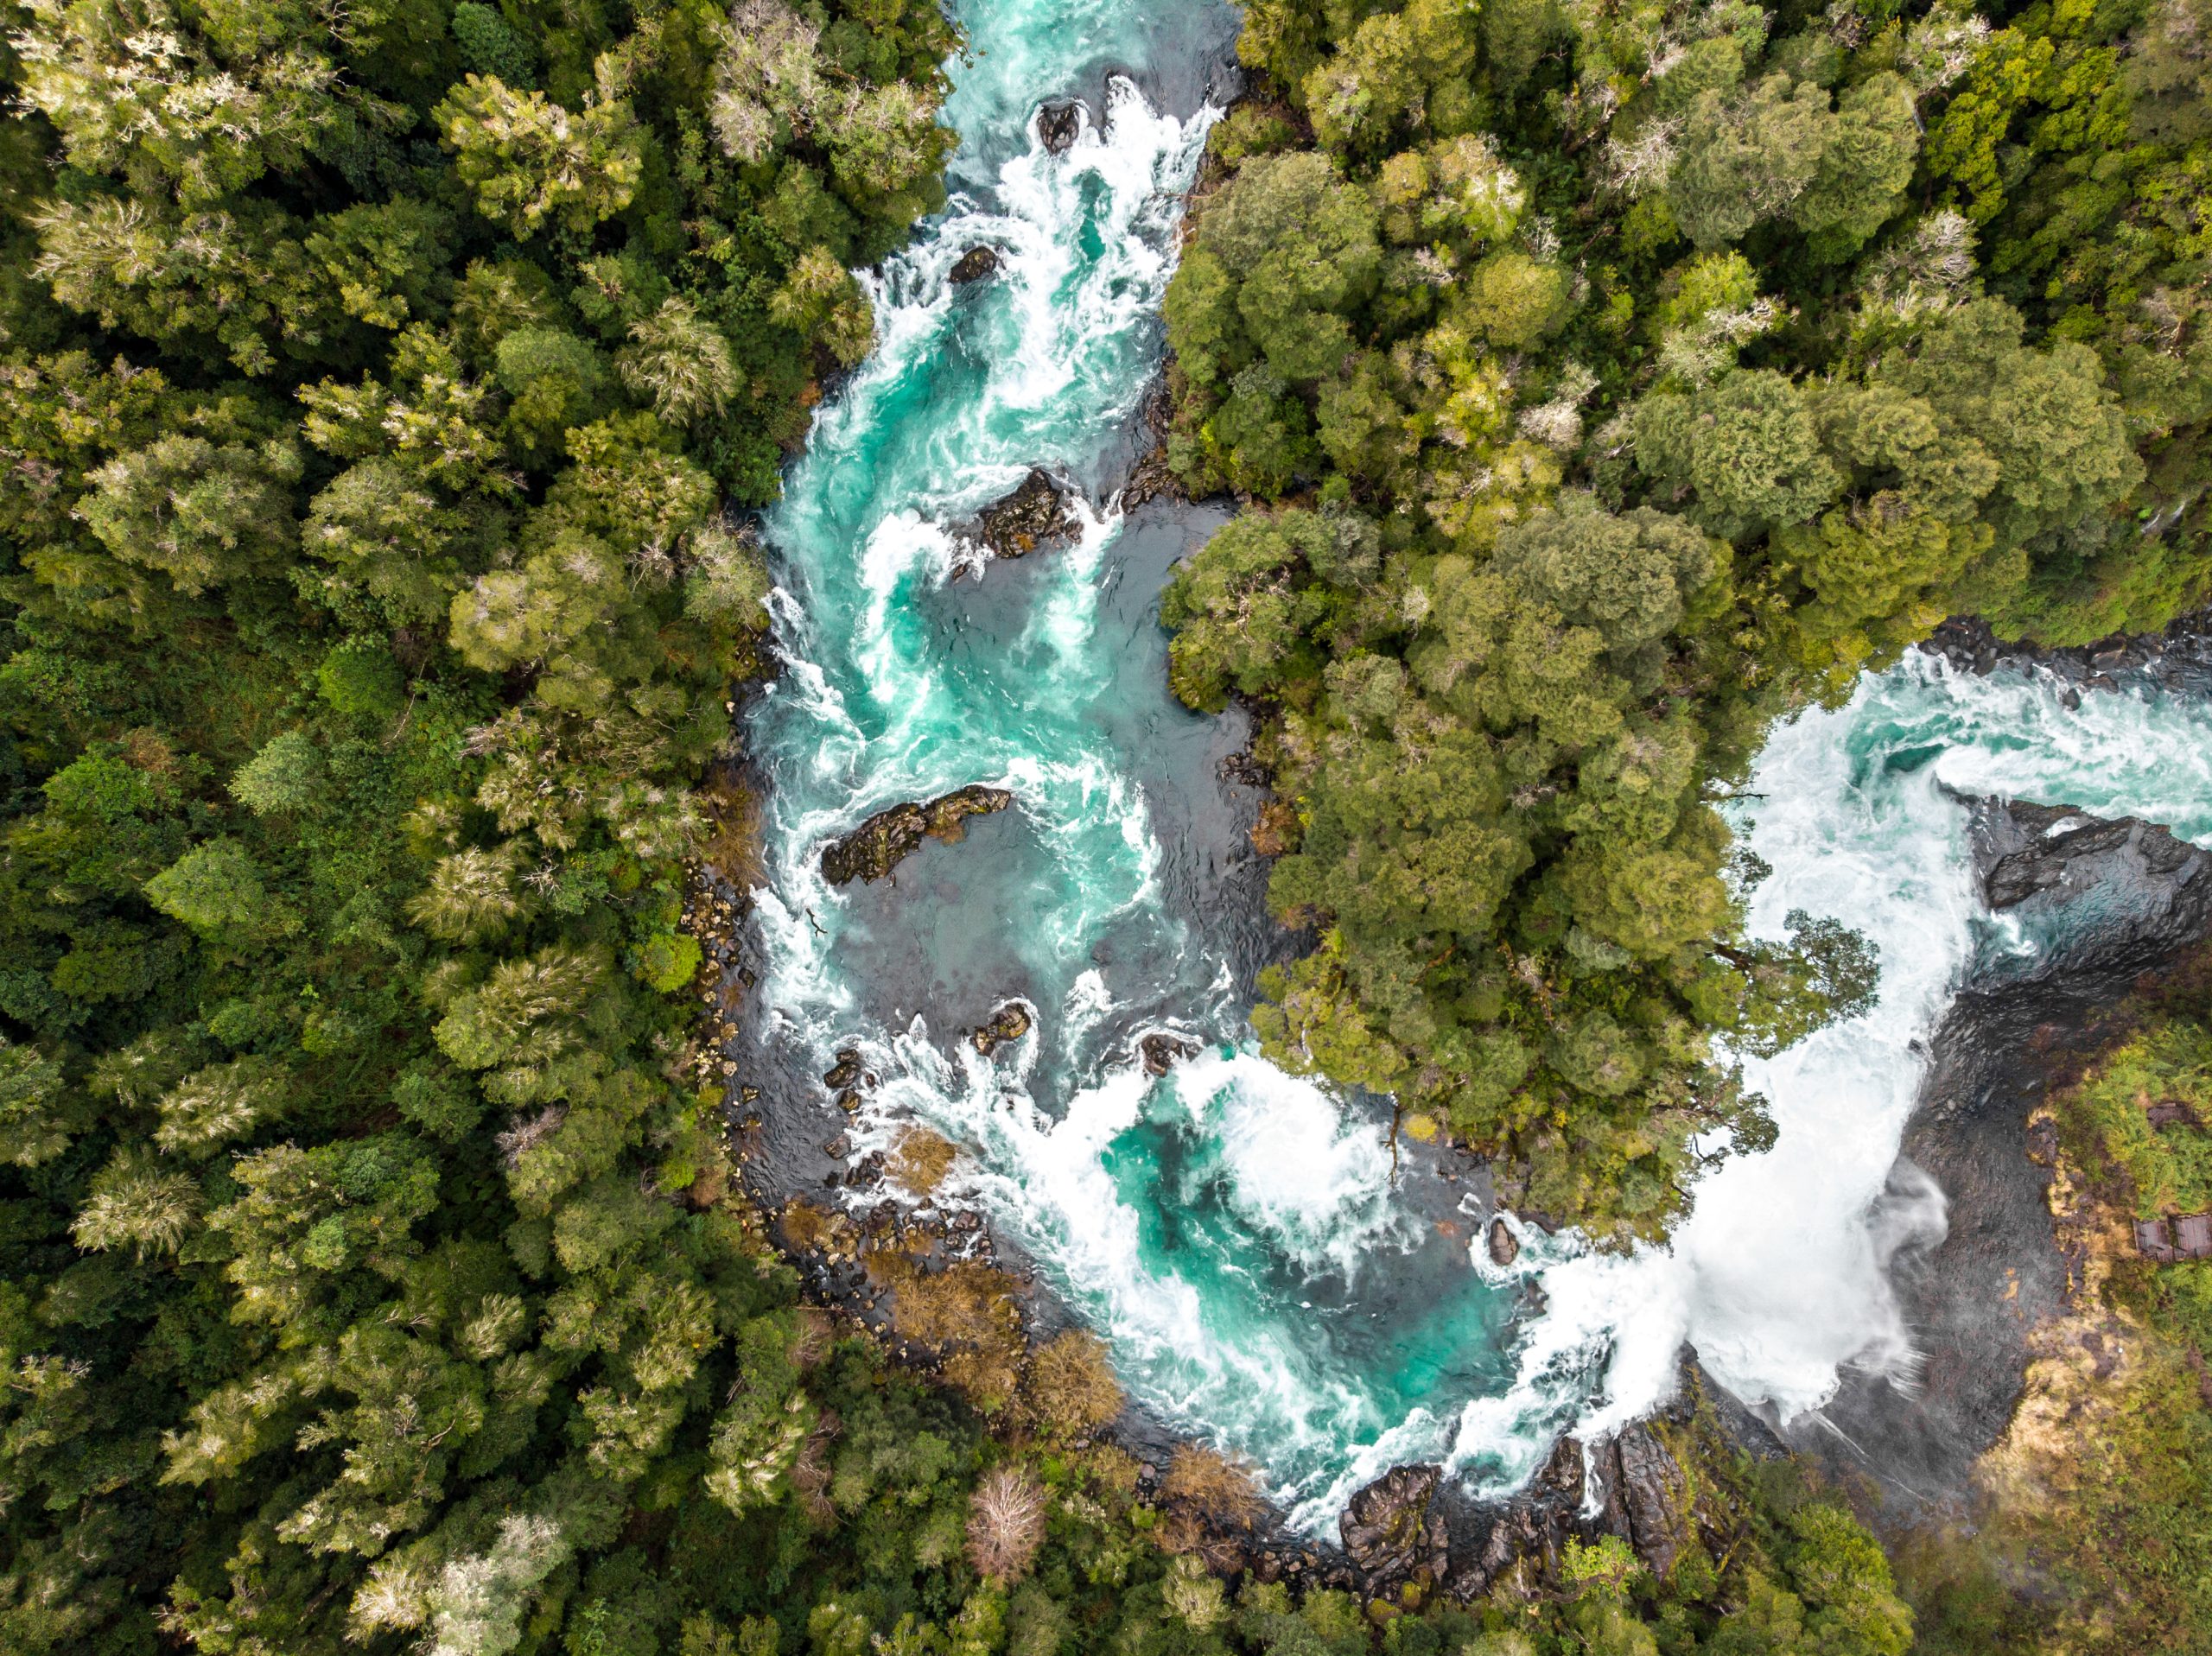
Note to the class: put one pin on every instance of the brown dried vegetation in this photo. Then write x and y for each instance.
(1204, 1483)
(921, 1160)
(1072, 1390)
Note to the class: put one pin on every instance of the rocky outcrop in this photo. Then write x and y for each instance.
(975, 265)
(1034, 516)
(2178, 659)
(1390, 1532)
(871, 851)
(1162, 1052)
(1060, 124)
(2029, 850)
(1009, 1022)
(1647, 1497)
(1504, 1246)
(1519, 1542)
(1654, 1487)
(2109, 902)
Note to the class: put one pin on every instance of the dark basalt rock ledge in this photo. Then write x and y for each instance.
(2179, 657)
(1412, 1533)
(871, 851)
(2116, 903)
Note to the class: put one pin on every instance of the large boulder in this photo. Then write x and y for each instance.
(1388, 1531)
(1036, 515)
(975, 264)
(871, 851)
(1647, 1497)
(1060, 124)
(1504, 1246)
(2032, 849)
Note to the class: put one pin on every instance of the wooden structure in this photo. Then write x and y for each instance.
(2166, 1240)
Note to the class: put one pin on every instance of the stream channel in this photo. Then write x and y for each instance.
(1235, 1233)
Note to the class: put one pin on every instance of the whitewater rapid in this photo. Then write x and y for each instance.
(1779, 1276)
(1269, 1276)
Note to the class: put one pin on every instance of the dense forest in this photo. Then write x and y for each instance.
(381, 386)
(1610, 380)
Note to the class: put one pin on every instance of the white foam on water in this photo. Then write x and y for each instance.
(1780, 1274)
(1299, 1169)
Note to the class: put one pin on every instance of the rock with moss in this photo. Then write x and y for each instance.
(871, 851)
(1008, 1024)
(1390, 1532)
(1035, 517)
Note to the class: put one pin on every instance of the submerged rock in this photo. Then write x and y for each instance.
(1009, 1022)
(888, 838)
(976, 264)
(1036, 515)
(1060, 124)
(1388, 1531)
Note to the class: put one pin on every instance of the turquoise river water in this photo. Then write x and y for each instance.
(1235, 1232)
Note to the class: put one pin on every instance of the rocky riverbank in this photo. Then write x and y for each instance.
(2180, 657)
(2113, 903)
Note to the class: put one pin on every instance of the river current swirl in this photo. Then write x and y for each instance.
(1266, 1278)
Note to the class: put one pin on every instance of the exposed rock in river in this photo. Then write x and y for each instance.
(976, 264)
(1504, 1246)
(1009, 1022)
(1060, 124)
(2032, 849)
(1162, 1052)
(1035, 516)
(888, 838)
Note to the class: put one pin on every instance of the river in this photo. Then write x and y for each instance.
(1268, 1279)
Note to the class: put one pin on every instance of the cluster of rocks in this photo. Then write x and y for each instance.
(848, 1080)
(871, 851)
(1410, 1534)
(1035, 516)
(1161, 1051)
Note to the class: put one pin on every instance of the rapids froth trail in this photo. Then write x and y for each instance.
(1236, 1232)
